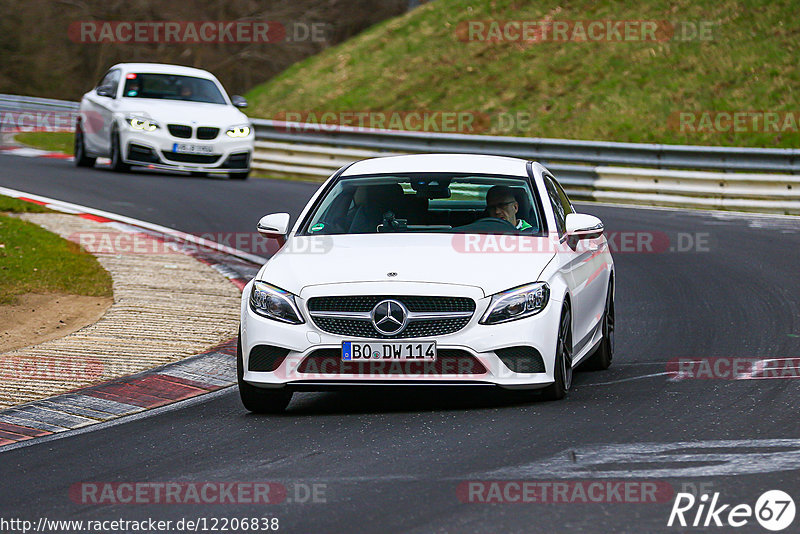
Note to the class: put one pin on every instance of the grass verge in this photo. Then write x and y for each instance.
(52, 141)
(33, 260)
(15, 205)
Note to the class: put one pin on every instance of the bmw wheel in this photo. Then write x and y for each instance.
(81, 159)
(116, 155)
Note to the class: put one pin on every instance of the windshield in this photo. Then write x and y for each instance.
(172, 87)
(426, 202)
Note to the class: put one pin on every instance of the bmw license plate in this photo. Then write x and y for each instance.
(184, 148)
(359, 351)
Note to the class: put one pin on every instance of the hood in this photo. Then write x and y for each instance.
(177, 112)
(492, 263)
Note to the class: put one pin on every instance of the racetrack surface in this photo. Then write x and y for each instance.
(390, 461)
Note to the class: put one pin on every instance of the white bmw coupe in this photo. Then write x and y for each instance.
(438, 269)
(165, 117)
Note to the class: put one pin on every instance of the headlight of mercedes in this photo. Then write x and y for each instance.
(141, 123)
(238, 131)
(517, 303)
(274, 303)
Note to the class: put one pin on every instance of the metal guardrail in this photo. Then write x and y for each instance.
(29, 103)
(24, 113)
(662, 175)
(727, 159)
(748, 179)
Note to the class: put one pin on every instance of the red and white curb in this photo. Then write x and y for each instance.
(197, 375)
(33, 152)
(191, 377)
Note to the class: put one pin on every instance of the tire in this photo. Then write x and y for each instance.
(81, 159)
(239, 175)
(198, 174)
(117, 165)
(563, 362)
(601, 359)
(258, 400)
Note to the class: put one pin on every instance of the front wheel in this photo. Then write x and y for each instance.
(563, 362)
(116, 155)
(81, 159)
(239, 175)
(601, 359)
(259, 400)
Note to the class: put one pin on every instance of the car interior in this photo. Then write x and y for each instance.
(439, 205)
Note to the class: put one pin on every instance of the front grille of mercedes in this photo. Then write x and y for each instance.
(454, 314)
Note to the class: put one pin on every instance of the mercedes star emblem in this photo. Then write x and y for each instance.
(389, 317)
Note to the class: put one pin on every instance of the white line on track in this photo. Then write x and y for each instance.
(624, 379)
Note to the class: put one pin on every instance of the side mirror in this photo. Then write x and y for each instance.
(583, 226)
(239, 101)
(105, 90)
(274, 225)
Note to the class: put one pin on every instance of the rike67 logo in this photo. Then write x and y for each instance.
(774, 510)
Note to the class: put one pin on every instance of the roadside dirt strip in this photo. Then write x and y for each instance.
(170, 302)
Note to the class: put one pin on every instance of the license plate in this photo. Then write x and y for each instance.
(183, 148)
(370, 351)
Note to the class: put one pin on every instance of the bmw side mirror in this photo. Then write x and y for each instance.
(274, 226)
(239, 101)
(583, 226)
(105, 90)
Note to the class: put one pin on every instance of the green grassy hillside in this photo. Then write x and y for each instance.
(620, 91)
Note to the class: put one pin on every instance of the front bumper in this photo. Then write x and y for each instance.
(476, 344)
(155, 150)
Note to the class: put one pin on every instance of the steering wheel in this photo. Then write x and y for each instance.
(499, 224)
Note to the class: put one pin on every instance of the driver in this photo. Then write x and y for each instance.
(186, 91)
(500, 203)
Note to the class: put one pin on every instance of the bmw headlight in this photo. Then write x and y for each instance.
(141, 123)
(238, 131)
(274, 303)
(517, 303)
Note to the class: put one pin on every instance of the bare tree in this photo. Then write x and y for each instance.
(38, 56)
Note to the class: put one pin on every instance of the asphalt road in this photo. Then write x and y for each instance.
(390, 461)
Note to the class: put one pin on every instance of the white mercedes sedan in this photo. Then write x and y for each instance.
(165, 117)
(423, 270)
